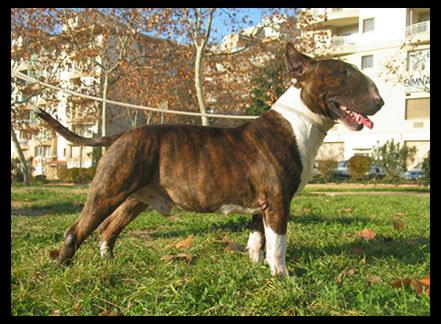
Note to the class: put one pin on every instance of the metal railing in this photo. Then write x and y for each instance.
(422, 27)
(342, 40)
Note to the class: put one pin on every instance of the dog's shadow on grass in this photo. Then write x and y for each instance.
(406, 250)
(344, 220)
(53, 209)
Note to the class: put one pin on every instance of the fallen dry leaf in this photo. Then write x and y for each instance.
(185, 244)
(401, 214)
(172, 218)
(367, 234)
(56, 312)
(54, 254)
(178, 256)
(234, 247)
(339, 279)
(425, 281)
(357, 250)
(230, 245)
(418, 284)
(345, 273)
(399, 224)
(373, 279)
(76, 309)
(398, 283)
(347, 210)
(110, 313)
(78, 204)
(351, 272)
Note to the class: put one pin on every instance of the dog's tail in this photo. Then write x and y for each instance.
(72, 137)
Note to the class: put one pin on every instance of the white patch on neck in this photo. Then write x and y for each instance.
(309, 129)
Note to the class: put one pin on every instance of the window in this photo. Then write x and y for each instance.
(417, 108)
(367, 62)
(25, 135)
(368, 25)
(43, 150)
(75, 152)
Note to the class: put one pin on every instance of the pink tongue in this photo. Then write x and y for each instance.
(366, 122)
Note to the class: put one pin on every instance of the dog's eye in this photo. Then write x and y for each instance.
(345, 71)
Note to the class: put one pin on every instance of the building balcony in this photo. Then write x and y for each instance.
(344, 44)
(420, 31)
(338, 17)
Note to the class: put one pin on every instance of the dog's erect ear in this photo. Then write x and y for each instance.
(296, 62)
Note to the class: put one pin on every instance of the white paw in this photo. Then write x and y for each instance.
(254, 247)
(105, 250)
(278, 270)
(255, 256)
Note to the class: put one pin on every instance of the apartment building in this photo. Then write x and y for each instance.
(50, 151)
(368, 38)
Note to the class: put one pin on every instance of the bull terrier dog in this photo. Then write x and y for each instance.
(256, 168)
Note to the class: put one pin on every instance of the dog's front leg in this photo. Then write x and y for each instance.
(275, 225)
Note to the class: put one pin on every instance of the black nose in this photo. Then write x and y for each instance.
(379, 102)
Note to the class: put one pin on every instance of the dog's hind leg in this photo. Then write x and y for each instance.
(120, 172)
(256, 240)
(114, 224)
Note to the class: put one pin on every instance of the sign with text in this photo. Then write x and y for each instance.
(418, 71)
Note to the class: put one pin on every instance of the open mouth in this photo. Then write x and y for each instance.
(351, 119)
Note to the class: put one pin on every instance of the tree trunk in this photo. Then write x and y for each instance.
(104, 107)
(199, 85)
(24, 163)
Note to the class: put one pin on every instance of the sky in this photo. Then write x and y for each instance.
(254, 14)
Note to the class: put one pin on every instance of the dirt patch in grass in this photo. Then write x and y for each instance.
(17, 204)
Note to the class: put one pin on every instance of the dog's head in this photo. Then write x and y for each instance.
(334, 89)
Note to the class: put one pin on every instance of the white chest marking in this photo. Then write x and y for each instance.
(309, 129)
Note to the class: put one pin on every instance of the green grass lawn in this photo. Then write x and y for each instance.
(325, 277)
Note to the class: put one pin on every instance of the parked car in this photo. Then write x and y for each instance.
(343, 172)
(342, 169)
(376, 172)
(414, 173)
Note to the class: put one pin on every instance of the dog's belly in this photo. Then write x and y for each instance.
(236, 209)
(163, 201)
